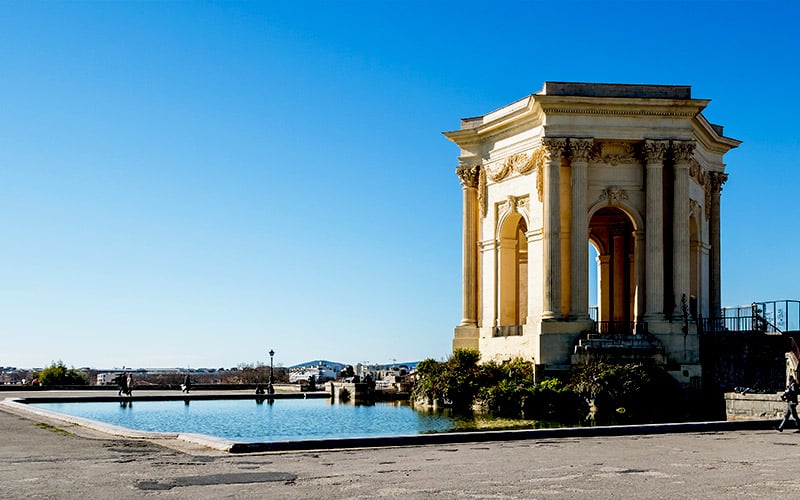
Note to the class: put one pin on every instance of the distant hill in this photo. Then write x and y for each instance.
(340, 366)
(332, 364)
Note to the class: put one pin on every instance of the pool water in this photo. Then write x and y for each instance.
(248, 420)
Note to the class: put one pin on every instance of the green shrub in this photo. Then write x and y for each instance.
(58, 374)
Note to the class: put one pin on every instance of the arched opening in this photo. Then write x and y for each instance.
(512, 284)
(611, 234)
(594, 280)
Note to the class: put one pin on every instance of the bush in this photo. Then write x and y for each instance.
(58, 374)
(629, 393)
(455, 382)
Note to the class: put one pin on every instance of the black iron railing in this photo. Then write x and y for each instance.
(773, 317)
(620, 328)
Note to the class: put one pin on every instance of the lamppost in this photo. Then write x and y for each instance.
(271, 389)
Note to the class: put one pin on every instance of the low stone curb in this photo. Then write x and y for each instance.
(19, 406)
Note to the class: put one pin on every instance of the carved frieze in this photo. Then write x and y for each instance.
(614, 153)
(613, 195)
(497, 171)
(519, 163)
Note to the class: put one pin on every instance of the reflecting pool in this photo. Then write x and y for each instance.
(248, 420)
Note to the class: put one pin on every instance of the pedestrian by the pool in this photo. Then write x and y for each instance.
(790, 396)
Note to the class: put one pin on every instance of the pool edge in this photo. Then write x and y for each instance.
(20, 407)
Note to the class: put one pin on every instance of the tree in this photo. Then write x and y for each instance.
(58, 374)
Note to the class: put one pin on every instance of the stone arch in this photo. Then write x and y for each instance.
(612, 232)
(633, 214)
(512, 276)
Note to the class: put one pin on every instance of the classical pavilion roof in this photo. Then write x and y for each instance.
(599, 100)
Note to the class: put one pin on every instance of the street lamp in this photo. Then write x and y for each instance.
(271, 389)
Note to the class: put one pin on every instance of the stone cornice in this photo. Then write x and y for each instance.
(617, 106)
(710, 139)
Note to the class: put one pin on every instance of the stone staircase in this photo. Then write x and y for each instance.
(618, 348)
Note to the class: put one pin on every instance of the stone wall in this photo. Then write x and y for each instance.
(744, 359)
(753, 406)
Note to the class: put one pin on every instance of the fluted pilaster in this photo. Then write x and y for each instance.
(469, 183)
(716, 180)
(579, 254)
(682, 152)
(554, 149)
(655, 152)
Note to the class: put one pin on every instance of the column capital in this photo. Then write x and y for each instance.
(580, 149)
(716, 180)
(554, 147)
(655, 151)
(683, 151)
(468, 175)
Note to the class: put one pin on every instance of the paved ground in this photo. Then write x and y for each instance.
(41, 459)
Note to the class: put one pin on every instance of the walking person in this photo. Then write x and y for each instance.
(790, 396)
(187, 384)
(129, 385)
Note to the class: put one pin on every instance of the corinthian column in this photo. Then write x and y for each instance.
(716, 180)
(654, 229)
(579, 255)
(551, 225)
(469, 184)
(682, 152)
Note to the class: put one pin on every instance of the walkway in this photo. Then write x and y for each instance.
(49, 460)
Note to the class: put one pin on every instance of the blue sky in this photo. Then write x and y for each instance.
(196, 183)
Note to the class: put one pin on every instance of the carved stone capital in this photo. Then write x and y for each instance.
(554, 147)
(580, 149)
(716, 180)
(468, 175)
(655, 151)
(682, 151)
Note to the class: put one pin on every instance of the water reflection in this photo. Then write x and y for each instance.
(283, 420)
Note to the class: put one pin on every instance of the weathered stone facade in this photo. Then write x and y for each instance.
(634, 170)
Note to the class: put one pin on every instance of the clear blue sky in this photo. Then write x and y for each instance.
(193, 184)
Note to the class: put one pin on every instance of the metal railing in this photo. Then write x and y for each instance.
(773, 317)
(620, 328)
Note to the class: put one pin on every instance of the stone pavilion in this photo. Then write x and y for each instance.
(634, 171)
